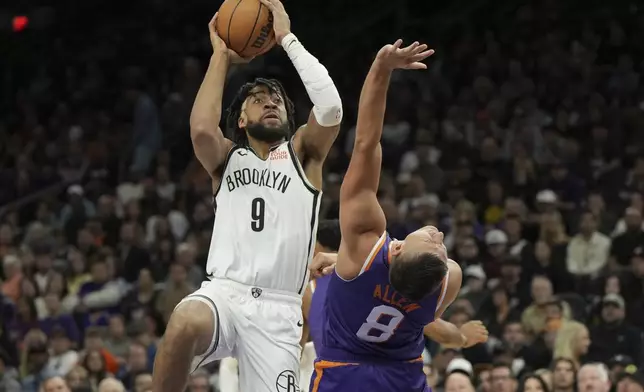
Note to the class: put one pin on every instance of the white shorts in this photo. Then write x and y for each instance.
(262, 328)
(229, 371)
(306, 366)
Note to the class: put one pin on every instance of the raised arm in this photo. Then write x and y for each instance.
(208, 141)
(313, 141)
(361, 218)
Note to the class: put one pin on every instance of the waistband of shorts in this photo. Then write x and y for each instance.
(259, 292)
(335, 355)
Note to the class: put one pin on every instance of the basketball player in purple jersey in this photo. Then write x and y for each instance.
(384, 292)
(326, 248)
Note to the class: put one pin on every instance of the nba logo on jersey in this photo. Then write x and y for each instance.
(256, 292)
(286, 382)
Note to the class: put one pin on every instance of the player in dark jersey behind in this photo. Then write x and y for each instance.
(384, 292)
(328, 241)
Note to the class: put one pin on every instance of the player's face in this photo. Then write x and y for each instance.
(427, 239)
(264, 115)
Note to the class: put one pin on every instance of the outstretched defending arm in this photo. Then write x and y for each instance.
(361, 218)
(207, 139)
(317, 136)
(449, 335)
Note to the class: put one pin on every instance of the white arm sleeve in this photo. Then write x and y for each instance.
(327, 105)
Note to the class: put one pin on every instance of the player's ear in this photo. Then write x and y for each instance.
(242, 121)
(396, 247)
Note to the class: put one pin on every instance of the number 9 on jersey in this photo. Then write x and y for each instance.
(257, 212)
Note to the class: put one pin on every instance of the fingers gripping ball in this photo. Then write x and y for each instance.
(246, 26)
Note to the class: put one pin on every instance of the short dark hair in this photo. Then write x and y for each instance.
(238, 135)
(329, 234)
(569, 361)
(532, 376)
(502, 364)
(418, 275)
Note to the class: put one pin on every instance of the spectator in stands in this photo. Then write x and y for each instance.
(9, 380)
(572, 342)
(199, 382)
(593, 377)
(532, 383)
(96, 367)
(111, 385)
(78, 378)
(62, 358)
(588, 251)
(612, 336)
(631, 382)
(535, 316)
(137, 362)
(458, 382)
(563, 375)
(12, 270)
(36, 371)
(116, 341)
(502, 378)
(55, 384)
(142, 382)
(624, 244)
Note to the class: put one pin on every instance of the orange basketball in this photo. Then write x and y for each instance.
(246, 26)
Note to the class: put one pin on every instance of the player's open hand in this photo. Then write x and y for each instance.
(323, 264)
(394, 57)
(474, 332)
(219, 47)
(281, 21)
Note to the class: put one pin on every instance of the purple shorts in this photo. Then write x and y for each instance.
(353, 377)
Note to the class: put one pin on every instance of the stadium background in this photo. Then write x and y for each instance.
(523, 142)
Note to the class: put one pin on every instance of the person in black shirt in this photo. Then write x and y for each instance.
(625, 243)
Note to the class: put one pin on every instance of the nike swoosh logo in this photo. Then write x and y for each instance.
(300, 324)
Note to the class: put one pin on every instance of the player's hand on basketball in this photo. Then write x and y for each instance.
(219, 47)
(393, 56)
(323, 264)
(474, 332)
(281, 21)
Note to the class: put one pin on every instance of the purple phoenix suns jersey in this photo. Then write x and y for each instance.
(373, 336)
(319, 289)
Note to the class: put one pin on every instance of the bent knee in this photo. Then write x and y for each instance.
(194, 318)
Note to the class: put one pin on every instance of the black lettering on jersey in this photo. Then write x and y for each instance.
(265, 178)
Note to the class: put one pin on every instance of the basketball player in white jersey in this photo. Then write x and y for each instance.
(328, 241)
(266, 180)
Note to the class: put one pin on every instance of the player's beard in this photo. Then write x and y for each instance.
(266, 134)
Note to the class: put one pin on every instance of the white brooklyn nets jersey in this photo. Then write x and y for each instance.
(265, 222)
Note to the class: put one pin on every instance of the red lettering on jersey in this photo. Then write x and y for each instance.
(278, 155)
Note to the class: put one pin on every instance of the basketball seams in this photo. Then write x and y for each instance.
(252, 31)
(230, 23)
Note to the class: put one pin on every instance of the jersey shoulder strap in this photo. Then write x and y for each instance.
(299, 168)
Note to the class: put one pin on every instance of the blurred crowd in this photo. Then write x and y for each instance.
(523, 143)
